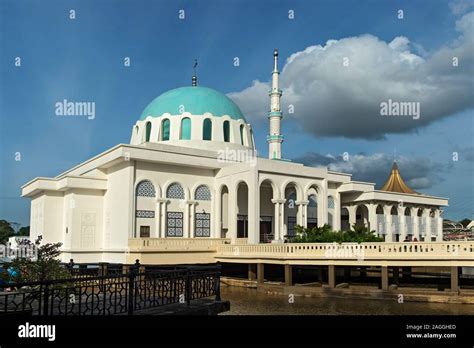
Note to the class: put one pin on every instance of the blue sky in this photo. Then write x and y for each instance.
(82, 60)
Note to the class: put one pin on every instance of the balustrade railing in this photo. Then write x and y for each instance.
(176, 243)
(409, 250)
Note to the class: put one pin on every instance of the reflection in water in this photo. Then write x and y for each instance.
(251, 302)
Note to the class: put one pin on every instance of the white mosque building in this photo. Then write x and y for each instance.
(190, 173)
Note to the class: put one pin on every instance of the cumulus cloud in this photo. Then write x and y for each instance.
(458, 7)
(418, 173)
(331, 99)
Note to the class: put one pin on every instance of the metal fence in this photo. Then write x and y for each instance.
(121, 293)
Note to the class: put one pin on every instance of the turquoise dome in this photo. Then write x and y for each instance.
(196, 100)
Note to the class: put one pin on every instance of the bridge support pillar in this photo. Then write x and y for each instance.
(454, 279)
(332, 276)
(288, 275)
(260, 273)
(252, 271)
(384, 275)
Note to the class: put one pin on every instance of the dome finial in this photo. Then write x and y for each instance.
(194, 79)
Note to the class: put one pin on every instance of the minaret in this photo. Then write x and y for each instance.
(275, 139)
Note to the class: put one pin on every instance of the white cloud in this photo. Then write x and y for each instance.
(333, 100)
(418, 173)
(458, 7)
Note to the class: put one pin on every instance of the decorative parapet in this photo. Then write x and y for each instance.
(175, 244)
(380, 252)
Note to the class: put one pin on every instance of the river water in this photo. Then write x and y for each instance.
(244, 301)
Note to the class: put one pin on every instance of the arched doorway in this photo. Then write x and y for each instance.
(242, 210)
(312, 213)
(267, 212)
(362, 215)
(290, 211)
(345, 226)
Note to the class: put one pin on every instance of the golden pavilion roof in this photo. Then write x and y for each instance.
(395, 182)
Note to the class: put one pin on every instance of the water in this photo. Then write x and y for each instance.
(244, 301)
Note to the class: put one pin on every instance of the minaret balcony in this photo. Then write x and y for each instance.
(275, 114)
(275, 91)
(275, 138)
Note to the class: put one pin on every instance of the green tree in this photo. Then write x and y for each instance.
(6, 231)
(24, 231)
(46, 265)
(465, 222)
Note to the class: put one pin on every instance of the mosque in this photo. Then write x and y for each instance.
(191, 173)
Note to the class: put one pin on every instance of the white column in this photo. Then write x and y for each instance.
(401, 223)
(158, 220)
(186, 220)
(372, 209)
(164, 203)
(439, 225)
(322, 212)
(304, 216)
(415, 220)
(192, 218)
(212, 223)
(388, 223)
(232, 215)
(281, 217)
(279, 206)
(277, 231)
(337, 212)
(427, 218)
(301, 215)
(253, 211)
(217, 214)
(352, 209)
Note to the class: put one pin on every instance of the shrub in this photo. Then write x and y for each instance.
(325, 234)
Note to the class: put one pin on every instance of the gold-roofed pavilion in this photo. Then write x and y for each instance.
(395, 182)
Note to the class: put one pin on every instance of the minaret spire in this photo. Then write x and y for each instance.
(194, 79)
(275, 115)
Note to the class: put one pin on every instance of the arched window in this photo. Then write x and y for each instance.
(185, 129)
(175, 191)
(226, 131)
(148, 131)
(242, 134)
(165, 130)
(251, 139)
(207, 129)
(202, 193)
(145, 189)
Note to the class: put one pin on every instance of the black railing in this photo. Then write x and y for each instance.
(111, 294)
